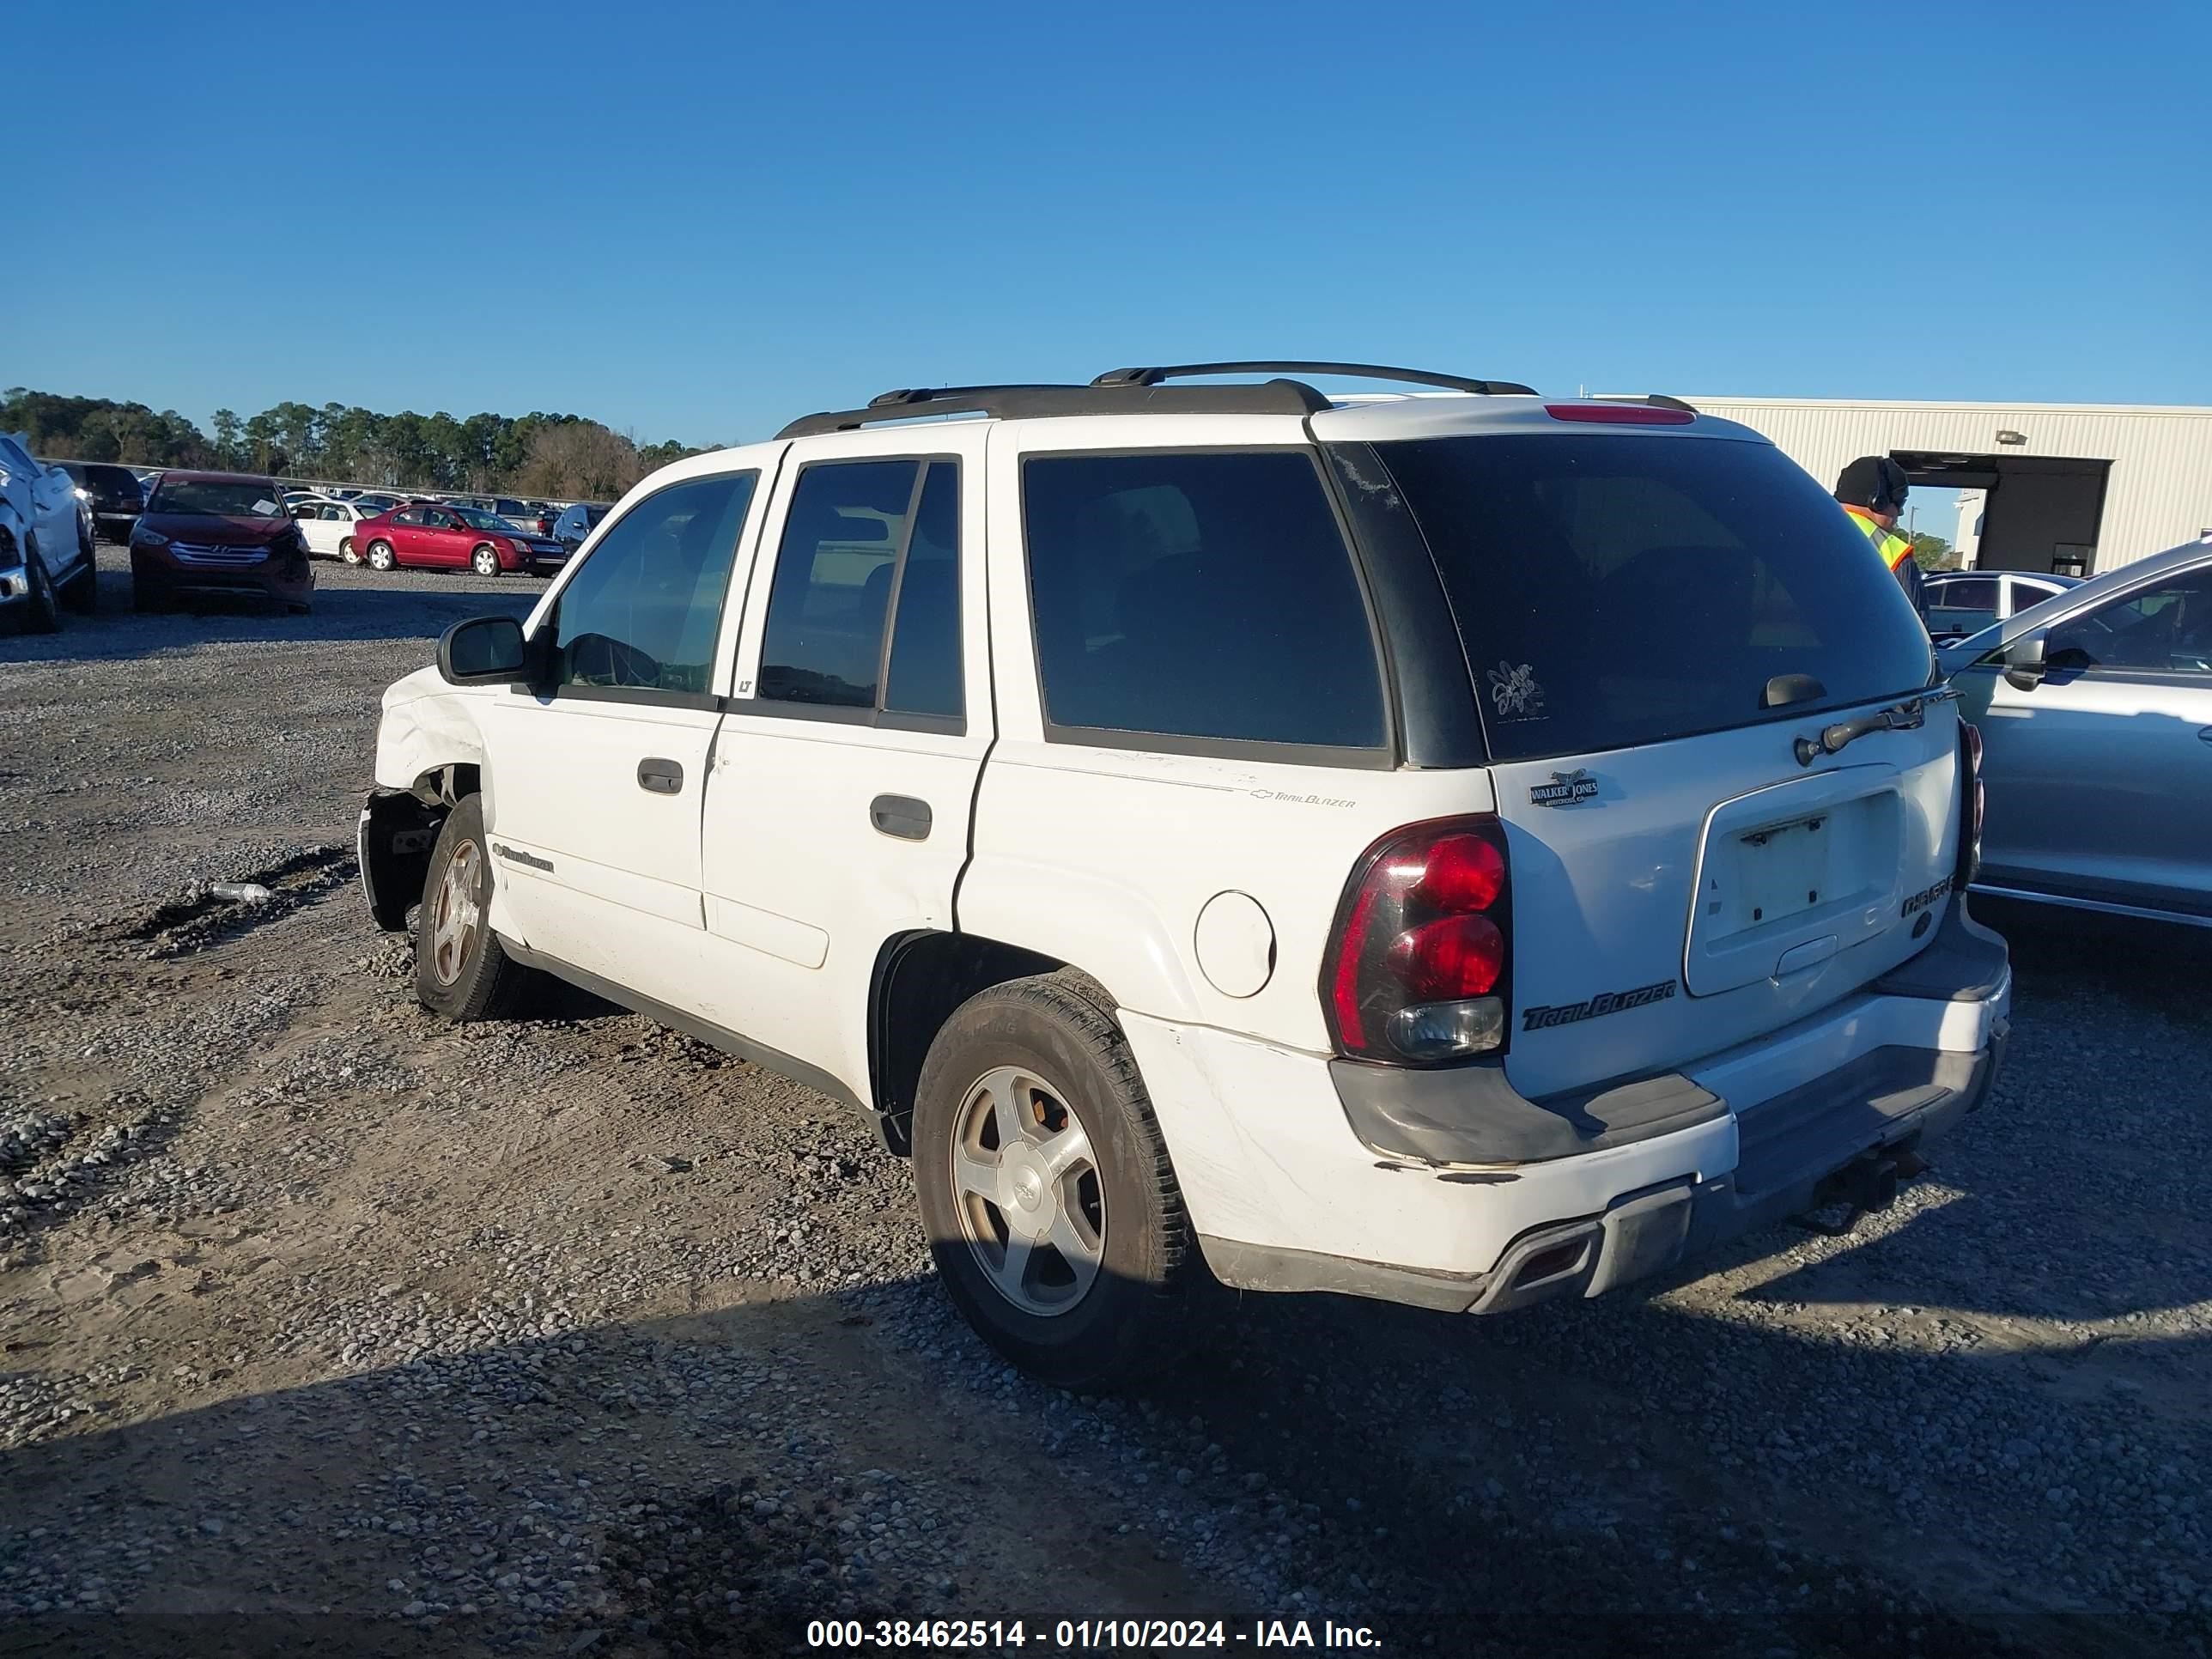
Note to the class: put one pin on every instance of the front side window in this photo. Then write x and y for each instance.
(642, 612)
(1198, 595)
(871, 549)
(2166, 629)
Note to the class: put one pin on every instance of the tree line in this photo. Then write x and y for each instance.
(565, 456)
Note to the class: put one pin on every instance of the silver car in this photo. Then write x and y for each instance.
(2095, 715)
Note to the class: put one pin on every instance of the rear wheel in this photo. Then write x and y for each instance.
(82, 593)
(461, 970)
(380, 555)
(1045, 1187)
(484, 561)
(349, 552)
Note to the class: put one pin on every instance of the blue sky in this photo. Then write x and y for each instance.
(694, 222)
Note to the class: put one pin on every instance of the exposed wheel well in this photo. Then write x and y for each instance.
(448, 786)
(920, 979)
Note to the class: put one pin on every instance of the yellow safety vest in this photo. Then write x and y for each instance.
(1893, 548)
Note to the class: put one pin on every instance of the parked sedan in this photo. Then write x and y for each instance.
(218, 535)
(1963, 602)
(453, 538)
(2095, 715)
(328, 526)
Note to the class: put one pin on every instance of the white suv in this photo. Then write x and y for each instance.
(1461, 849)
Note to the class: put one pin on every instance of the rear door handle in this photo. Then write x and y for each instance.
(659, 777)
(901, 816)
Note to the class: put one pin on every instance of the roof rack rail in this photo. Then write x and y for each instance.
(1278, 397)
(1364, 371)
(1657, 399)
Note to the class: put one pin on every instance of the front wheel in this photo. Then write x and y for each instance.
(40, 614)
(461, 970)
(380, 555)
(1044, 1185)
(484, 561)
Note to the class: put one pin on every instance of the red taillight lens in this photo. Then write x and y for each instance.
(1417, 970)
(1620, 414)
(1464, 873)
(1452, 958)
(1970, 827)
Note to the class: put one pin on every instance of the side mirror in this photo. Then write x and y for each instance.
(483, 651)
(2024, 662)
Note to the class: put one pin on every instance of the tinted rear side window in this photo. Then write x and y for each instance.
(841, 534)
(1198, 595)
(1624, 589)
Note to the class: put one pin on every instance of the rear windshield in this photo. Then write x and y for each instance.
(113, 479)
(1617, 589)
(224, 498)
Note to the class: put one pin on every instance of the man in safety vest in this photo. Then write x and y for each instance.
(1873, 489)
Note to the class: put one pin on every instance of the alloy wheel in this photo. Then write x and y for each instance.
(1027, 1191)
(457, 915)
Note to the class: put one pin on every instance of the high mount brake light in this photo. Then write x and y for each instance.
(1419, 966)
(1620, 414)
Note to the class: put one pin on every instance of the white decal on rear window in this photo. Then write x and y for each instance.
(1515, 691)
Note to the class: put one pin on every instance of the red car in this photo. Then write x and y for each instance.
(218, 535)
(441, 534)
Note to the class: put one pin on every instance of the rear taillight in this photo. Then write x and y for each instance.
(1970, 818)
(1419, 966)
(1620, 414)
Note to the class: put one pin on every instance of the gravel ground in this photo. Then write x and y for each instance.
(326, 1327)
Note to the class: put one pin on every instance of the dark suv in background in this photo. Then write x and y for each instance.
(113, 493)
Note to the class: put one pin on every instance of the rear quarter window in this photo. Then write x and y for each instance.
(1619, 589)
(1198, 595)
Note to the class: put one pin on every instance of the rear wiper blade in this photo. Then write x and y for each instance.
(1900, 717)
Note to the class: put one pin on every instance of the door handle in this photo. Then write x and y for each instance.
(901, 816)
(659, 777)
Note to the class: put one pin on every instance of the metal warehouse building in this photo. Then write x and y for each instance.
(2077, 487)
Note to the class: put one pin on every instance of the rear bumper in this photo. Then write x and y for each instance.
(1501, 1201)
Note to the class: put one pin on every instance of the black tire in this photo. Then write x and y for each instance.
(381, 555)
(147, 599)
(39, 613)
(82, 593)
(1136, 1317)
(486, 984)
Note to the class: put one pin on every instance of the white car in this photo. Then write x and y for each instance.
(46, 542)
(1458, 850)
(328, 524)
